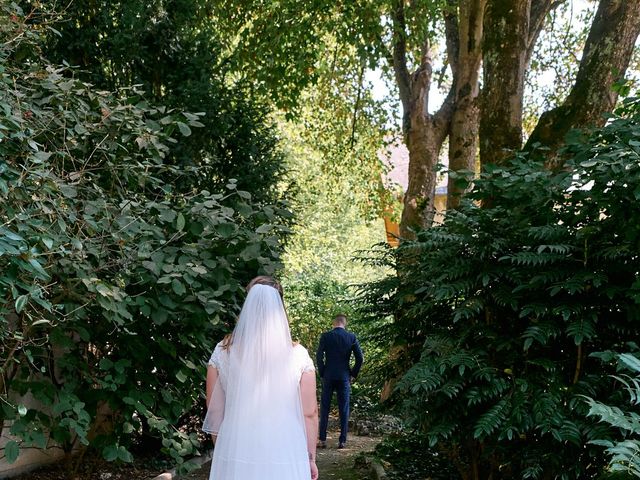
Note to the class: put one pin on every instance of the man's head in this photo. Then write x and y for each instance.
(340, 320)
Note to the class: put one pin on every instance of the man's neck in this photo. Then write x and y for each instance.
(338, 326)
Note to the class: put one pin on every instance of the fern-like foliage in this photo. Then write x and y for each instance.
(625, 453)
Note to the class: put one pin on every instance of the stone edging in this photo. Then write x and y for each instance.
(199, 461)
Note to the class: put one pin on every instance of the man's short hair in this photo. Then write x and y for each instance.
(340, 318)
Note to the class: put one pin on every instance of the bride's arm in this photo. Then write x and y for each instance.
(310, 411)
(212, 378)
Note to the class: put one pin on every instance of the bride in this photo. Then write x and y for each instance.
(261, 395)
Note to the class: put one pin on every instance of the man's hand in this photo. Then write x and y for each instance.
(352, 380)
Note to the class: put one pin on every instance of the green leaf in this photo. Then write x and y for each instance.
(110, 453)
(105, 364)
(38, 268)
(159, 316)
(180, 222)
(124, 455)
(168, 215)
(630, 361)
(39, 439)
(184, 129)
(264, 228)
(69, 191)
(181, 376)
(11, 451)
(178, 287)
(225, 230)
(11, 235)
(21, 302)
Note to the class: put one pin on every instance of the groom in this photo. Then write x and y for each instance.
(333, 357)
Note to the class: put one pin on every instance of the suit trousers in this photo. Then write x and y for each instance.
(342, 387)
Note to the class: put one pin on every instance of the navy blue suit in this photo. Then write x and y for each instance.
(333, 358)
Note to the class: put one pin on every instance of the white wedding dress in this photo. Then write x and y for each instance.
(255, 408)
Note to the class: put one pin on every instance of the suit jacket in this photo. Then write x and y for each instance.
(334, 355)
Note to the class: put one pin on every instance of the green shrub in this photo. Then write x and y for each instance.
(498, 308)
(623, 453)
(179, 59)
(114, 286)
(407, 456)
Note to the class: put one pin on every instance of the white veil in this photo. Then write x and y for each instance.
(257, 393)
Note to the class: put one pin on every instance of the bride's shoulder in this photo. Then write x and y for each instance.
(302, 358)
(299, 349)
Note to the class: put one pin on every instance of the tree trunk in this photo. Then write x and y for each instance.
(423, 133)
(605, 59)
(424, 141)
(463, 137)
(457, 117)
(506, 34)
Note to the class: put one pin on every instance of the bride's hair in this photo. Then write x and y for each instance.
(259, 280)
(266, 280)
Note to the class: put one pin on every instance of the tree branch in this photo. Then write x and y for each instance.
(463, 130)
(420, 87)
(399, 53)
(442, 118)
(537, 16)
(605, 59)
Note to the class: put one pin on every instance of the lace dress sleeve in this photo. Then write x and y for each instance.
(216, 407)
(215, 360)
(305, 362)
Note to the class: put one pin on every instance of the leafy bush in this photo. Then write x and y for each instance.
(623, 453)
(408, 456)
(180, 60)
(114, 285)
(498, 308)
